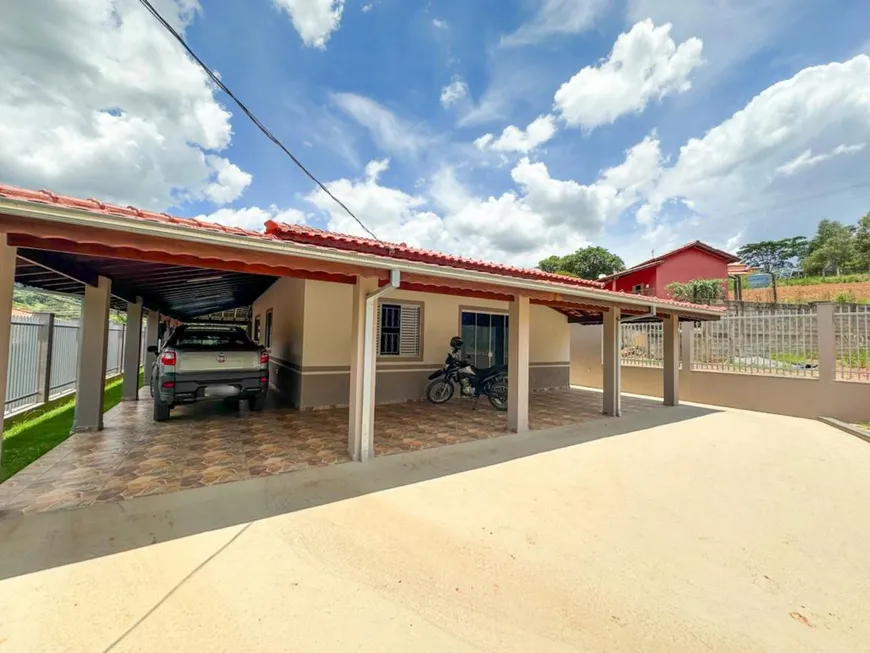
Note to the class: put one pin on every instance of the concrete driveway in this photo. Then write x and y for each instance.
(672, 530)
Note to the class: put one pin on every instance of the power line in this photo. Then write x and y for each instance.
(800, 200)
(266, 132)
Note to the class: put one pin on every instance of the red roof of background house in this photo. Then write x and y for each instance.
(658, 260)
(738, 269)
(311, 236)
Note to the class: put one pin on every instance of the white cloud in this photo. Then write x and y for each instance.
(367, 8)
(514, 139)
(451, 94)
(732, 30)
(99, 101)
(229, 180)
(806, 159)
(645, 65)
(315, 20)
(252, 218)
(439, 24)
(388, 131)
(540, 216)
(739, 172)
(554, 18)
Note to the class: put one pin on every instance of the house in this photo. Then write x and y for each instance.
(348, 321)
(695, 260)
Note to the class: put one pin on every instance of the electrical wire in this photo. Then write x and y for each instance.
(266, 132)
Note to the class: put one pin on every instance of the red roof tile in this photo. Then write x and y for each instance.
(96, 206)
(318, 237)
(312, 236)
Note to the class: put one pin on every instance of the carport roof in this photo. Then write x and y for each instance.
(42, 220)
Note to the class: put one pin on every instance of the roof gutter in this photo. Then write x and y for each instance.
(84, 218)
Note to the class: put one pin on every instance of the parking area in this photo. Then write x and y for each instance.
(208, 444)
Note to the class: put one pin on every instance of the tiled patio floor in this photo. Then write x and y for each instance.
(206, 444)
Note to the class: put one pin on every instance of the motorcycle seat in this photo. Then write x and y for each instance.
(486, 372)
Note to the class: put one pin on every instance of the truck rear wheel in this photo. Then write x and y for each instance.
(161, 409)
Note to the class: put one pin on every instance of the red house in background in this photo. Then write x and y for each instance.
(693, 261)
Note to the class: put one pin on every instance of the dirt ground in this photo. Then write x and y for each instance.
(826, 292)
(728, 531)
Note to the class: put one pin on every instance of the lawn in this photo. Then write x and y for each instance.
(35, 433)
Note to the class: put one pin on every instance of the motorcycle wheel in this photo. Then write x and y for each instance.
(498, 395)
(439, 391)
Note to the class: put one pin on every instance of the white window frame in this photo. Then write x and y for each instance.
(410, 330)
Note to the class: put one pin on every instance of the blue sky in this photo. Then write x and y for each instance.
(676, 119)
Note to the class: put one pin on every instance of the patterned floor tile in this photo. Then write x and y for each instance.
(206, 444)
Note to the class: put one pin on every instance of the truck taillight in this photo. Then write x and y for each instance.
(168, 358)
(264, 358)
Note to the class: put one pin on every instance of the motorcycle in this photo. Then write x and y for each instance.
(472, 381)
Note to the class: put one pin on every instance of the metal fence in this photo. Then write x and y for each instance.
(785, 344)
(642, 344)
(42, 368)
(852, 337)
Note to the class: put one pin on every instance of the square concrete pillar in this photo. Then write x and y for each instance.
(93, 349)
(687, 345)
(611, 358)
(827, 342)
(363, 362)
(7, 286)
(152, 336)
(671, 375)
(518, 364)
(132, 349)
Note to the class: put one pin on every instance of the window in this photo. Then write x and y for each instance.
(268, 342)
(210, 339)
(638, 289)
(257, 329)
(399, 330)
(486, 337)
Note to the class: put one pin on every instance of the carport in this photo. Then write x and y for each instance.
(181, 270)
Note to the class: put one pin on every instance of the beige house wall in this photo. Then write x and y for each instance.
(795, 396)
(311, 342)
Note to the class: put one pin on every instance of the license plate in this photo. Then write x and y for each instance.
(221, 391)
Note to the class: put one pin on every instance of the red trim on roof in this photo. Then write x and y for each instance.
(98, 207)
(658, 260)
(312, 236)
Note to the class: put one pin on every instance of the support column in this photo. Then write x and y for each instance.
(132, 349)
(518, 364)
(671, 390)
(363, 362)
(152, 334)
(827, 342)
(93, 349)
(611, 350)
(687, 345)
(45, 346)
(7, 286)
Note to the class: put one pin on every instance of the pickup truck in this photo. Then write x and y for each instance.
(199, 362)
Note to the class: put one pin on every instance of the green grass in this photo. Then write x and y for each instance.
(793, 358)
(33, 434)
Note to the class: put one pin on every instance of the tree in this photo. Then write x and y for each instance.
(773, 256)
(862, 243)
(832, 248)
(698, 291)
(586, 263)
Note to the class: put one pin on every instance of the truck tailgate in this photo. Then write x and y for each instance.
(212, 360)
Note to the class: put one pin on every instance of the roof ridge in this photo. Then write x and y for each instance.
(393, 249)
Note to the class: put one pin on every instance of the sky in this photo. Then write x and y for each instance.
(504, 130)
